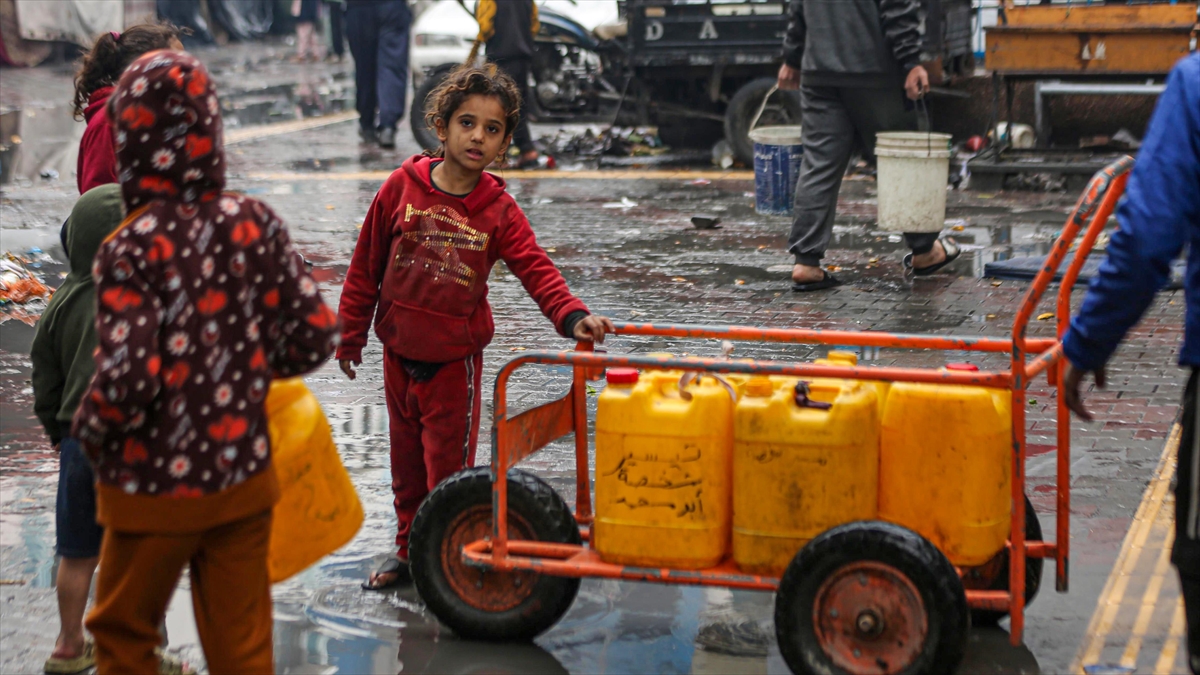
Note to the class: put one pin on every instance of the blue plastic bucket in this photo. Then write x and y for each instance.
(777, 155)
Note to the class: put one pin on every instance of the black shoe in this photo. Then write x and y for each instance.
(387, 138)
(367, 135)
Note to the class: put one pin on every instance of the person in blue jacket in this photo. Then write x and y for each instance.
(1158, 215)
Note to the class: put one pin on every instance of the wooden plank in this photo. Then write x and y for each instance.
(1112, 53)
(1102, 16)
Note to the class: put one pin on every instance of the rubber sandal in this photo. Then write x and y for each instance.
(392, 565)
(828, 281)
(952, 252)
(79, 664)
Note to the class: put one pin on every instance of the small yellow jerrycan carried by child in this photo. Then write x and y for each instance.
(318, 509)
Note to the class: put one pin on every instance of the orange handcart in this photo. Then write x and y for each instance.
(512, 578)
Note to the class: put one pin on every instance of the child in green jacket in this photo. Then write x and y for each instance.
(62, 368)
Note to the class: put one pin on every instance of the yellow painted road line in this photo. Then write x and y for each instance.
(1110, 599)
(600, 174)
(1166, 658)
(235, 136)
(1149, 601)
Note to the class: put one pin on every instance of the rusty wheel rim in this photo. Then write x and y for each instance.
(870, 619)
(486, 590)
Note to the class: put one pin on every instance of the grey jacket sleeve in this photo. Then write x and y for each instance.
(901, 21)
(793, 40)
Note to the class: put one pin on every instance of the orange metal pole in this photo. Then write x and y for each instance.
(825, 337)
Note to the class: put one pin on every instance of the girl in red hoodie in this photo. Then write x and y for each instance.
(429, 241)
(98, 74)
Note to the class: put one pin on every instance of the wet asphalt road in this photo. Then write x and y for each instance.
(626, 247)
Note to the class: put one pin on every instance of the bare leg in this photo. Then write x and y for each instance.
(73, 583)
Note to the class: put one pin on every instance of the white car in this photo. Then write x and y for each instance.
(445, 32)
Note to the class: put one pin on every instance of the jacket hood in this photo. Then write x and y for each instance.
(97, 213)
(487, 190)
(167, 130)
(96, 102)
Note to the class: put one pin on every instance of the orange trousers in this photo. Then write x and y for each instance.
(231, 595)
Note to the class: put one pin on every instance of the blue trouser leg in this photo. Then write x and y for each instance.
(392, 73)
(362, 32)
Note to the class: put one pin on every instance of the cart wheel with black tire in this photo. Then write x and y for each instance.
(871, 597)
(481, 604)
(994, 575)
(782, 109)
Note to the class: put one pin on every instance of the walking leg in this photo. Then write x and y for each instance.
(392, 82)
(1186, 553)
(828, 141)
(362, 32)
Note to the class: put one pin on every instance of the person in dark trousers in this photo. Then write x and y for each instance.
(508, 27)
(1157, 217)
(337, 30)
(378, 34)
(853, 61)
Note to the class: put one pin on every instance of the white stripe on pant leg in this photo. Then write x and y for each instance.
(470, 361)
(1194, 479)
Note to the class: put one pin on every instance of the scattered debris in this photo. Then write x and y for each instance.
(1046, 316)
(706, 222)
(23, 294)
(625, 203)
(722, 154)
(611, 141)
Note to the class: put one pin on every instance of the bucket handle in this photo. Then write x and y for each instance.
(770, 92)
(924, 108)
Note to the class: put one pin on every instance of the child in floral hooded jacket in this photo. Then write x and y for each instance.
(201, 301)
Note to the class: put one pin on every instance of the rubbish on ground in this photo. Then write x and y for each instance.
(611, 141)
(704, 181)
(23, 294)
(1045, 316)
(625, 203)
(49, 174)
(722, 154)
(706, 222)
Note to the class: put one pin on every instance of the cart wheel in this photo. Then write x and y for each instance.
(871, 598)
(480, 604)
(993, 576)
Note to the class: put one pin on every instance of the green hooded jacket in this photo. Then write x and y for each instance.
(66, 333)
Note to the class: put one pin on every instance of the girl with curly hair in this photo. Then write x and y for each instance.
(420, 268)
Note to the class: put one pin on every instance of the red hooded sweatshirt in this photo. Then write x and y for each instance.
(97, 163)
(424, 257)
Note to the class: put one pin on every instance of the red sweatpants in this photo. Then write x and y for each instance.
(433, 427)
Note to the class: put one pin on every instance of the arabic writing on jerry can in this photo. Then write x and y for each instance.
(663, 451)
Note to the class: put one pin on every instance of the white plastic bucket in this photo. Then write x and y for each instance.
(913, 171)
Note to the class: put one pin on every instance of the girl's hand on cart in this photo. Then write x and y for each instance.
(592, 328)
(1071, 383)
(347, 367)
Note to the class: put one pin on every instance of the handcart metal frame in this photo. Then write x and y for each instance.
(516, 438)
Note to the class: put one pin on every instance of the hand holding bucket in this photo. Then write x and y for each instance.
(777, 155)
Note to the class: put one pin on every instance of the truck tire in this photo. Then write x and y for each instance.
(483, 604)
(997, 580)
(784, 108)
(872, 597)
(425, 136)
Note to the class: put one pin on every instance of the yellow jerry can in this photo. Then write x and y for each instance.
(318, 510)
(800, 467)
(663, 453)
(945, 467)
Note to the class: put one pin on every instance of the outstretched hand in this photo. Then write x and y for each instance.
(592, 328)
(1072, 380)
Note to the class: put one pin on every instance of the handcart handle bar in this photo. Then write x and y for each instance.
(1091, 214)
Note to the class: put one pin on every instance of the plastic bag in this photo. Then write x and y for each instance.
(318, 510)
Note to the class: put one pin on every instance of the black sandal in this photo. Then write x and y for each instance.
(827, 281)
(392, 565)
(952, 252)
